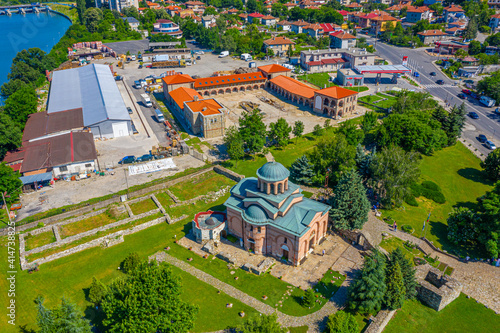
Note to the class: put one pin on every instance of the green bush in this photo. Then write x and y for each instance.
(410, 200)
(407, 228)
(429, 190)
(431, 186)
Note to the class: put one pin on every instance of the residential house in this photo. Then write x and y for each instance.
(344, 2)
(194, 4)
(330, 27)
(279, 45)
(208, 20)
(415, 14)
(495, 22)
(233, 11)
(453, 13)
(430, 36)
(255, 18)
(355, 6)
(132, 22)
(332, 59)
(307, 4)
(342, 40)
(313, 30)
(284, 25)
(298, 26)
(173, 10)
(167, 27)
(431, 2)
(494, 4)
(290, 5)
(365, 19)
(380, 23)
(454, 31)
(268, 20)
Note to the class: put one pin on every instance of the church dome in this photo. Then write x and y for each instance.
(273, 172)
(255, 214)
(212, 221)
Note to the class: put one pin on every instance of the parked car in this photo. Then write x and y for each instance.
(440, 82)
(466, 91)
(129, 110)
(118, 78)
(140, 66)
(198, 58)
(482, 138)
(16, 206)
(145, 158)
(127, 160)
(432, 74)
(490, 145)
(469, 81)
(462, 96)
(134, 129)
(415, 74)
(199, 53)
(497, 111)
(474, 95)
(473, 115)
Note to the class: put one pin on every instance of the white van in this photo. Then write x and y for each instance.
(246, 57)
(223, 54)
(132, 57)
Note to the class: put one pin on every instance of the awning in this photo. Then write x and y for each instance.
(39, 178)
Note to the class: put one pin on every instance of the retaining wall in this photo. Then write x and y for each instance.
(378, 324)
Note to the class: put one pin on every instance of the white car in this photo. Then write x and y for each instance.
(199, 53)
(490, 145)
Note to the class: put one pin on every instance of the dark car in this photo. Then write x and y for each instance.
(462, 96)
(415, 74)
(127, 160)
(473, 115)
(129, 110)
(134, 130)
(118, 78)
(432, 74)
(482, 138)
(474, 95)
(440, 82)
(145, 157)
(140, 66)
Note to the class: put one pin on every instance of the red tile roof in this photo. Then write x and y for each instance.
(328, 27)
(314, 27)
(354, 5)
(454, 8)
(337, 92)
(14, 155)
(182, 94)
(300, 23)
(268, 17)
(273, 68)
(256, 15)
(279, 41)
(293, 86)
(342, 35)
(177, 79)
(325, 61)
(343, 12)
(227, 79)
(434, 32)
(206, 107)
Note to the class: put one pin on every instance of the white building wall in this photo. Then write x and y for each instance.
(74, 168)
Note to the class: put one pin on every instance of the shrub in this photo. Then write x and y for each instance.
(410, 200)
(407, 228)
(429, 190)
(40, 225)
(431, 186)
(130, 262)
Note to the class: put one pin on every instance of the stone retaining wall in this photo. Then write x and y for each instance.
(228, 173)
(109, 240)
(105, 203)
(440, 251)
(378, 324)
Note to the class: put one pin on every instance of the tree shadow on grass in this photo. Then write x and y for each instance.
(475, 175)
(440, 230)
(23, 329)
(95, 316)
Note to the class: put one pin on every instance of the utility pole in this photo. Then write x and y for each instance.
(6, 208)
(126, 180)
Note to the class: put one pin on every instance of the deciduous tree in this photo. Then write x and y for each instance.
(262, 324)
(298, 129)
(10, 134)
(234, 144)
(369, 121)
(20, 104)
(491, 165)
(351, 132)
(253, 130)
(279, 132)
(342, 322)
(463, 226)
(10, 183)
(350, 205)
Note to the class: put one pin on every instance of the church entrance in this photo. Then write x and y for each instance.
(251, 244)
(285, 254)
(312, 240)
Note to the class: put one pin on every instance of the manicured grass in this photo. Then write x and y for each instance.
(42, 239)
(207, 182)
(89, 224)
(391, 243)
(143, 206)
(322, 80)
(66, 10)
(307, 194)
(461, 315)
(299, 329)
(457, 172)
(164, 199)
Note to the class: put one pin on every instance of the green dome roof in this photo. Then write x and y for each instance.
(255, 213)
(273, 172)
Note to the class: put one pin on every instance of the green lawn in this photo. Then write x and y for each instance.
(462, 315)
(68, 11)
(207, 182)
(299, 329)
(42, 239)
(457, 172)
(143, 206)
(391, 243)
(322, 80)
(89, 224)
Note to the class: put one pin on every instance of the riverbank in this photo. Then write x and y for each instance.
(69, 12)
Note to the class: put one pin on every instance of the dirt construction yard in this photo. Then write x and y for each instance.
(291, 113)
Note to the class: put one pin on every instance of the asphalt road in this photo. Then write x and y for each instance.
(488, 123)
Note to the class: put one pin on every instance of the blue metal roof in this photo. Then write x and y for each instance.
(255, 213)
(91, 88)
(273, 172)
(39, 178)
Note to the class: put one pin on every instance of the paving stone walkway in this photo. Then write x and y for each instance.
(480, 280)
(315, 321)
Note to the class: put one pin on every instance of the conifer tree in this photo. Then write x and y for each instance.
(342, 322)
(395, 294)
(350, 205)
(97, 291)
(408, 271)
(301, 171)
(309, 299)
(366, 294)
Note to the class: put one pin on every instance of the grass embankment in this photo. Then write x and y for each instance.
(66, 10)
(89, 223)
(457, 172)
(322, 80)
(461, 315)
(391, 243)
(205, 183)
(143, 206)
(380, 100)
(41, 239)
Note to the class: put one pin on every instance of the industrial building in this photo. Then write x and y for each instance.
(318, 61)
(92, 89)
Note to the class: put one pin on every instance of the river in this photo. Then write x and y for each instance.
(18, 32)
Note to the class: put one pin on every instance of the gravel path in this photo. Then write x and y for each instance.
(316, 321)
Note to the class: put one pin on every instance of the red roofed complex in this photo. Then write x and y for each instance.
(181, 95)
(431, 36)
(273, 70)
(175, 81)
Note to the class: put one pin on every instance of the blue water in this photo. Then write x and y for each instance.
(18, 32)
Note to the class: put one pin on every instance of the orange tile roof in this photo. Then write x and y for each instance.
(454, 8)
(293, 86)
(268, 17)
(206, 107)
(273, 68)
(178, 78)
(182, 94)
(313, 26)
(434, 32)
(495, 16)
(279, 41)
(342, 35)
(384, 18)
(354, 5)
(336, 92)
(227, 79)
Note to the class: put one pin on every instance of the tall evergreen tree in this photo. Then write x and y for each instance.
(491, 165)
(350, 205)
(366, 294)
(253, 130)
(454, 123)
(97, 291)
(302, 171)
(64, 318)
(471, 29)
(80, 8)
(341, 322)
(395, 294)
(309, 299)
(408, 271)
